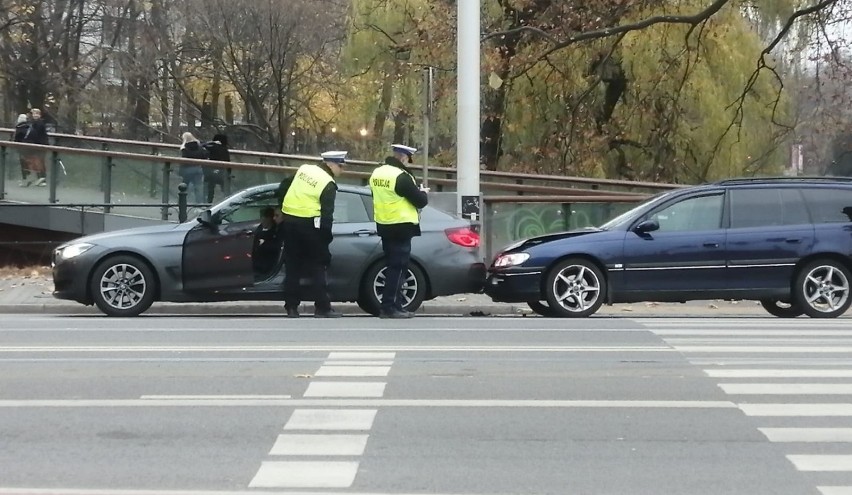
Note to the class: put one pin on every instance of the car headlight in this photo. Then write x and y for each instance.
(73, 250)
(512, 259)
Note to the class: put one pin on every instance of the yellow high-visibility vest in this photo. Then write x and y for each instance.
(303, 198)
(389, 207)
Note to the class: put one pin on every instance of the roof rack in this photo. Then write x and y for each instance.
(801, 178)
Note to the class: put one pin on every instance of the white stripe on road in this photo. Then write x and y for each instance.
(449, 403)
(778, 373)
(345, 389)
(327, 370)
(305, 474)
(835, 490)
(754, 333)
(330, 362)
(763, 349)
(808, 434)
(787, 388)
(801, 410)
(361, 355)
(331, 419)
(213, 397)
(726, 340)
(100, 491)
(311, 348)
(317, 444)
(821, 462)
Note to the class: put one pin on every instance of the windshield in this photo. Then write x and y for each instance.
(630, 214)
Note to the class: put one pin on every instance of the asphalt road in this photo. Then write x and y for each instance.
(501, 405)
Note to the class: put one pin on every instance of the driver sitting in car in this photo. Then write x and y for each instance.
(266, 245)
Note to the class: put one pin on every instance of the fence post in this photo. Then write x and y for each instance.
(487, 224)
(107, 182)
(2, 172)
(167, 169)
(54, 176)
(104, 178)
(152, 190)
(182, 202)
(227, 190)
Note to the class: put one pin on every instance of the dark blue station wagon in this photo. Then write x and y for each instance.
(785, 242)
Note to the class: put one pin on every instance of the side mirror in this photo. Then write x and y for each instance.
(206, 218)
(646, 226)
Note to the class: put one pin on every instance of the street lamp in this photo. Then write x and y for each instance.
(363, 133)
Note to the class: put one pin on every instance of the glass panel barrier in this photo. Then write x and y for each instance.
(507, 222)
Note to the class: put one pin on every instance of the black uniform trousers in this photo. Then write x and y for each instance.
(397, 254)
(306, 254)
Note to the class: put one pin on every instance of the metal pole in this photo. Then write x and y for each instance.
(106, 176)
(181, 202)
(427, 118)
(167, 169)
(3, 172)
(54, 176)
(467, 116)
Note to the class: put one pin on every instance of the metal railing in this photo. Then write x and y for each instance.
(443, 178)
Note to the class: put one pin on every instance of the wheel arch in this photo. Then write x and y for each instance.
(143, 259)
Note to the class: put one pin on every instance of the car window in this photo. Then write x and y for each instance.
(247, 208)
(696, 213)
(829, 205)
(349, 208)
(766, 207)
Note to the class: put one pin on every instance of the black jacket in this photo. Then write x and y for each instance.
(38, 132)
(21, 131)
(327, 197)
(406, 188)
(218, 152)
(192, 149)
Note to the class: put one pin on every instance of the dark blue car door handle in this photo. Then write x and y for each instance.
(711, 244)
(793, 240)
(364, 232)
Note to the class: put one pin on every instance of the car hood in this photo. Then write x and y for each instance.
(541, 239)
(116, 236)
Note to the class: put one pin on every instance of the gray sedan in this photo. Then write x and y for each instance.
(210, 259)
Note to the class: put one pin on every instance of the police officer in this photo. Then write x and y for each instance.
(396, 201)
(307, 209)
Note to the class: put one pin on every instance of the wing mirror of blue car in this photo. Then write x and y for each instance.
(646, 226)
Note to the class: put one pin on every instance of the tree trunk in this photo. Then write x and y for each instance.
(385, 101)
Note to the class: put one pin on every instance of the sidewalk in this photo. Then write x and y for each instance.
(32, 293)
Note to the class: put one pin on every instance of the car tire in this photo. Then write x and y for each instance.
(542, 309)
(575, 288)
(123, 286)
(822, 288)
(414, 288)
(781, 309)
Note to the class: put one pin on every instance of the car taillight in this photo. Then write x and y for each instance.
(463, 236)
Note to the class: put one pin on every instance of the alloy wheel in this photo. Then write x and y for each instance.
(825, 289)
(409, 286)
(576, 288)
(123, 286)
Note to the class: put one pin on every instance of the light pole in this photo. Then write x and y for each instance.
(427, 118)
(363, 133)
(467, 111)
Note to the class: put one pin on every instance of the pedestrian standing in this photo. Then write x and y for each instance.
(218, 151)
(396, 201)
(192, 175)
(37, 135)
(307, 213)
(22, 131)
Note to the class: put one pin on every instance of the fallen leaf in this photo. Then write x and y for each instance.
(304, 376)
(713, 306)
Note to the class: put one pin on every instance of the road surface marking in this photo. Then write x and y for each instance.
(821, 462)
(361, 355)
(331, 419)
(327, 370)
(449, 403)
(807, 434)
(213, 397)
(305, 474)
(101, 491)
(802, 410)
(835, 490)
(331, 362)
(345, 389)
(765, 349)
(778, 373)
(318, 444)
(313, 348)
(786, 388)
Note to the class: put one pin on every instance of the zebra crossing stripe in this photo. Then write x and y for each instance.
(821, 435)
(835, 490)
(822, 463)
(360, 371)
(786, 388)
(319, 444)
(345, 389)
(797, 410)
(305, 474)
(331, 419)
(778, 373)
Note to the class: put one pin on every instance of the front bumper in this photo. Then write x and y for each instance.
(71, 277)
(513, 285)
